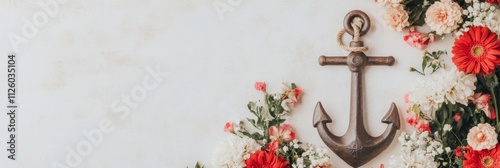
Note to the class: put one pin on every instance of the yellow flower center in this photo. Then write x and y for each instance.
(487, 161)
(477, 51)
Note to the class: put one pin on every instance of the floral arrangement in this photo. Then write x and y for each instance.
(454, 109)
(274, 143)
(442, 17)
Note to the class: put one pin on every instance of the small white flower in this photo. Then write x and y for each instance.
(285, 104)
(285, 148)
(417, 151)
(447, 127)
(447, 149)
(277, 96)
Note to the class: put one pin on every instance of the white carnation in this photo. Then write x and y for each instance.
(234, 151)
(442, 86)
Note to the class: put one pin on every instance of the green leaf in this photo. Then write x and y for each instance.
(497, 128)
(491, 81)
(452, 107)
(250, 105)
(257, 136)
(198, 165)
(424, 64)
(245, 133)
(252, 121)
(294, 86)
(276, 122)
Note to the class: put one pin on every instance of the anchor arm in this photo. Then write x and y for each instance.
(320, 120)
(392, 120)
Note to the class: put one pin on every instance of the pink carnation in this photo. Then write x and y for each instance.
(482, 103)
(417, 40)
(283, 132)
(229, 127)
(273, 146)
(260, 86)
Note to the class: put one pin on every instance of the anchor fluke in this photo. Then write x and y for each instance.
(392, 116)
(320, 115)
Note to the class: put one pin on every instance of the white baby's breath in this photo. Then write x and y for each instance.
(418, 150)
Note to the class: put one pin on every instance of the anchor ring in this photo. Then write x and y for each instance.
(350, 17)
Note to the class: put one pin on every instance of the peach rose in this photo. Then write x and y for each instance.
(396, 18)
(443, 16)
(482, 136)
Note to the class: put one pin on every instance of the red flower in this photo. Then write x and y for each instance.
(282, 132)
(493, 1)
(412, 120)
(263, 159)
(260, 86)
(482, 158)
(229, 127)
(457, 117)
(423, 126)
(491, 113)
(459, 152)
(477, 51)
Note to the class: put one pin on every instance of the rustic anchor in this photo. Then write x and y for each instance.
(356, 147)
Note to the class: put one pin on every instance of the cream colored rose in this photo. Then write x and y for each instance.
(482, 136)
(396, 18)
(444, 17)
(393, 3)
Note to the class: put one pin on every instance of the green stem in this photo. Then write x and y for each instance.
(492, 89)
(461, 144)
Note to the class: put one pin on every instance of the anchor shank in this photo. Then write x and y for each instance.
(356, 124)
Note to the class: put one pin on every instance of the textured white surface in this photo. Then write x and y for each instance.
(91, 54)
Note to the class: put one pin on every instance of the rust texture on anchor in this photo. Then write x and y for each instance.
(356, 147)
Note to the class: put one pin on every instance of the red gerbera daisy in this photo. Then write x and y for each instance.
(263, 159)
(477, 51)
(483, 158)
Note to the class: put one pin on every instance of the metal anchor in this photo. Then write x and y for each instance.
(356, 147)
